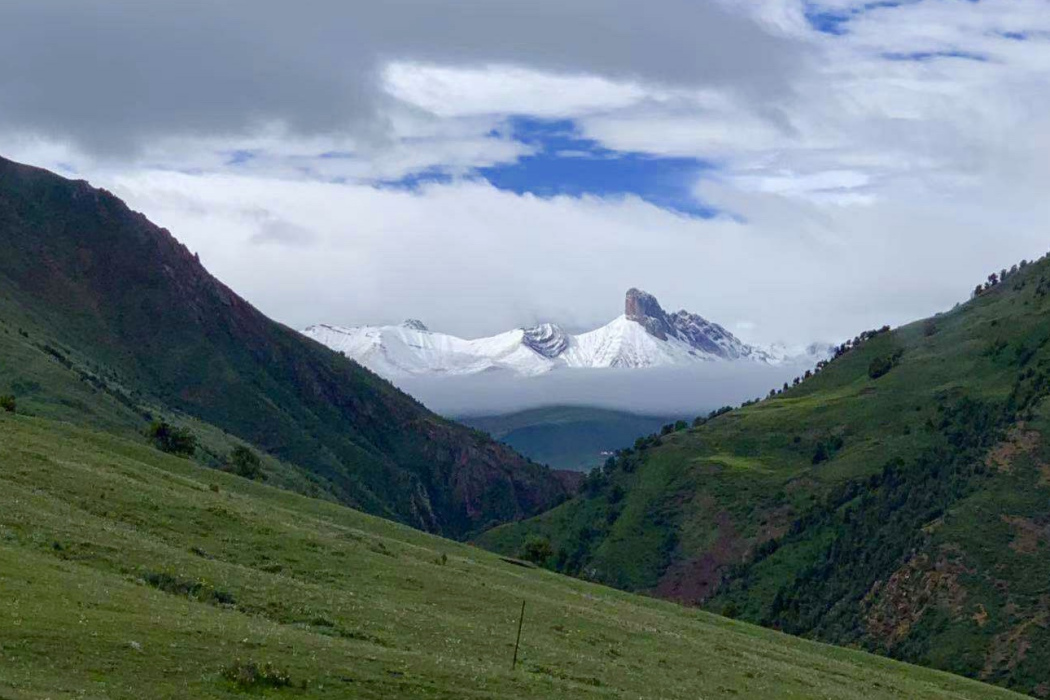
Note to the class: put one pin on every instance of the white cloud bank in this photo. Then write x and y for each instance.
(858, 190)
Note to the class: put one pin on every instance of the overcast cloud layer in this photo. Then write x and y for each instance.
(865, 163)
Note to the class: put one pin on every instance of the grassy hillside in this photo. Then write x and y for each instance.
(128, 573)
(898, 500)
(109, 320)
(567, 437)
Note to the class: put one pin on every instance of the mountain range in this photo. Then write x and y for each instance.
(644, 336)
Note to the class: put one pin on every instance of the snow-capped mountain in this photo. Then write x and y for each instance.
(644, 336)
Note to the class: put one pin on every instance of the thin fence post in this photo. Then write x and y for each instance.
(521, 621)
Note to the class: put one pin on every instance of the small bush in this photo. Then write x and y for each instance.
(244, 462)
(171, 439)
(249, 675)
(882, 365)
(537, 549)
(7, 403)
(197, 589)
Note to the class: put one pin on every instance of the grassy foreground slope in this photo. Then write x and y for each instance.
(899, 500)
(127, 573)
(567, 437)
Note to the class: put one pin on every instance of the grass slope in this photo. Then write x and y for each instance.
(127, 573)
(110, 319)
(906, 513)
(567, 437)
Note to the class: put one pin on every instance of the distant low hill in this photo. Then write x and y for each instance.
(898, 500)
(107, 320)
(568, 437)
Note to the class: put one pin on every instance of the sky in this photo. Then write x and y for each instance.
(796, 170)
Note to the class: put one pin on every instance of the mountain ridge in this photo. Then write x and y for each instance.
(644, 336)
(81, 271)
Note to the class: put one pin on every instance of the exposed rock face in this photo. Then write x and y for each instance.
(703, 335)
(414, 324)
(547, 339)
(643, 308)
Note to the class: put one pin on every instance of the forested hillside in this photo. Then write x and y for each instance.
(897, 499)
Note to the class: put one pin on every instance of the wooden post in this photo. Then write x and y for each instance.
(521, 621)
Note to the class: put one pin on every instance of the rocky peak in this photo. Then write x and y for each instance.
(701, 334)
(643, 308)
(414, 324)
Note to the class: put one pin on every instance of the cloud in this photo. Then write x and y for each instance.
(689, 391)
(851, 190)
(111, 75)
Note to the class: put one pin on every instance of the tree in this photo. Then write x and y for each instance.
(7, 403)
(536, 549)
(244, 462)
(822, 453)
(879, 366)
(171, 439)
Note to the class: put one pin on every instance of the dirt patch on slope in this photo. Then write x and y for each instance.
(1019, 441)
(897, 604)
(694, 581)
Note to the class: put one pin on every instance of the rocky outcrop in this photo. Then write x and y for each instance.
(701, 334)
(643, 308)
(546, 339)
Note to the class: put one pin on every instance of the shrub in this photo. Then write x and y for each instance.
(171, 439)
(7, 403)
(249, 675)
(244, 462)
(882, 365)
(879, 366)
(196, 589)
(537, 549)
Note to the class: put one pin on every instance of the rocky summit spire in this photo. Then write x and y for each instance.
(643, 308)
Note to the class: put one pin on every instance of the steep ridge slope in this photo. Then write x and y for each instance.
(126, 574)
(84, 272)
(896, 500)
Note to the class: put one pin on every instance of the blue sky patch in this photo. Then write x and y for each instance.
(413, 181)
(562, 162)
(565, 163)
(922, 56)
(835, 21)
(240, 157)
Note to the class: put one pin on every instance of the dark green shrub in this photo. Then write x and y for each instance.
(7, 403)
(822, 453)
(879, 367)
(171, 439)
(882, 365)
(249, 675)
(244, 462)
(537, 549)
(197, 589)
